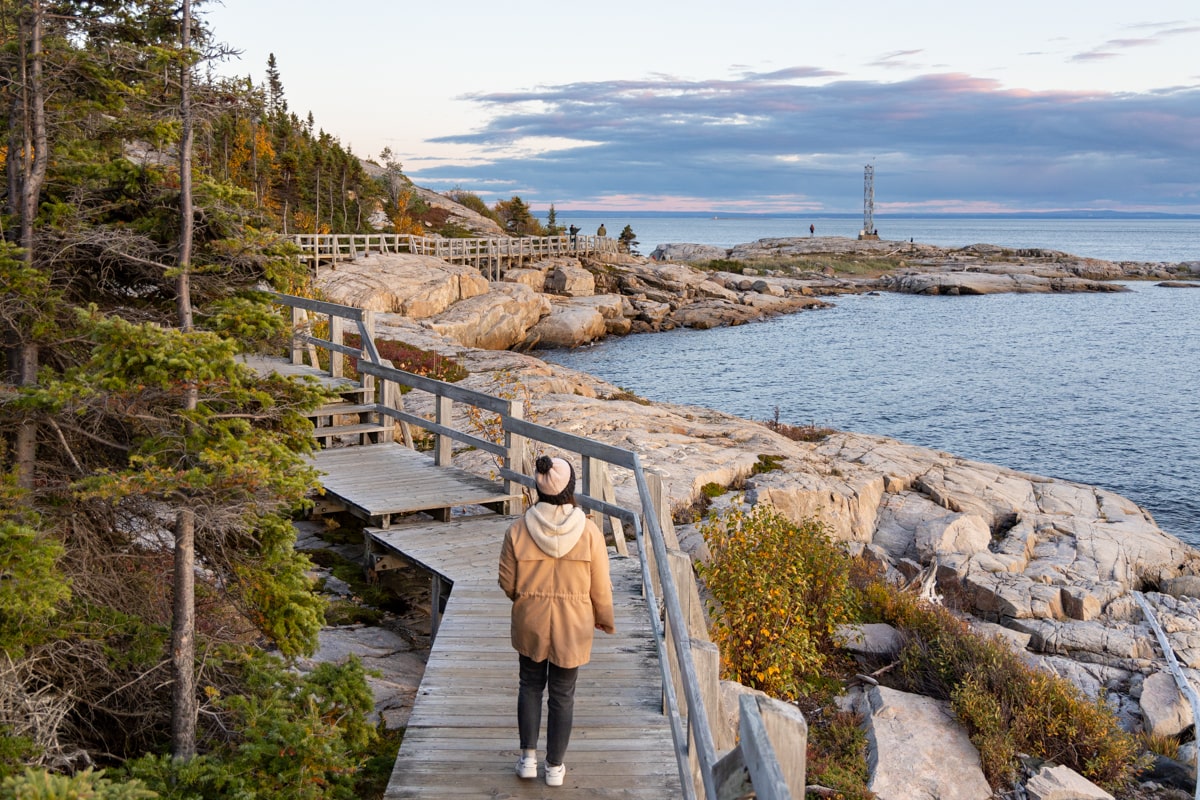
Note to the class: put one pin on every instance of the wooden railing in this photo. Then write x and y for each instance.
(481, 253)
(688, 661)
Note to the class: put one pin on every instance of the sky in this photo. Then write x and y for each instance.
(756, 105)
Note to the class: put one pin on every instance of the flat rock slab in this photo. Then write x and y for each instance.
(917, 749)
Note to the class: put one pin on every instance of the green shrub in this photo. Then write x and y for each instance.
(767, 463)
(290, 737)
(723, 265)
(837, 753)
(779, 591)
(1007, 707)
(472, 201)
(87, 785)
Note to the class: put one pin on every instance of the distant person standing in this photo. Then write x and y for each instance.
(601, 231)
(554, 567)
(812, 230)
(574, 231)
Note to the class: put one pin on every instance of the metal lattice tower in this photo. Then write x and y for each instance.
(869, 200)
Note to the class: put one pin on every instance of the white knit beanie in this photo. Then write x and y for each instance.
(553, 482)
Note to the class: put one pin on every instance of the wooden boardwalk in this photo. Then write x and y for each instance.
(461, 739)
(380, 481)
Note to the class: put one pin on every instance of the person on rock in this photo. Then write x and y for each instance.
(554, 567)
(602, 231)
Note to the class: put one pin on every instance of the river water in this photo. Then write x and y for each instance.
(1102, 389)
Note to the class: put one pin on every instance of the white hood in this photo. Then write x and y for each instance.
(555, 529)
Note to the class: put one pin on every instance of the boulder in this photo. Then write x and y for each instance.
(651, 311)
(705, 314)
(954, 283)
(411, 285)
(568, 325)
(765, 287)
(1182, 586)
(616, 310)
(692, 253)
(917, 750)
(716, 291)
(497, 320)
(533, 278)
(870, 639)
(1165, 710)
(1062, 783)
(571, 281)
(952, 533)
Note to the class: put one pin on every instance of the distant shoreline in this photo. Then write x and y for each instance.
(1063, 215)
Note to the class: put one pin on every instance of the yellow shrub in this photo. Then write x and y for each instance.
(779, 590)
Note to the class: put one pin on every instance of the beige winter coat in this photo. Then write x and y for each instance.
(554, 567)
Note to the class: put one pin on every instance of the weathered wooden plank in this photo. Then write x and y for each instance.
(386, 479)
(462, 740)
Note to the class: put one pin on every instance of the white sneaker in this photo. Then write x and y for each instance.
(555, 775)
(527, 767)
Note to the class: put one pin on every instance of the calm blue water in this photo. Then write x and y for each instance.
(1097, 388)
(1115, 240)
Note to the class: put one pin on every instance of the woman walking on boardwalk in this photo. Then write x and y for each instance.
(554, 567)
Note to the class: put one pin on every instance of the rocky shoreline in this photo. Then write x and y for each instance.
(568, 302)
(1048, 563)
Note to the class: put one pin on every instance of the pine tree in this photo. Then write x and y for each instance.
(628, 240)
(276, 103)
(135, 293)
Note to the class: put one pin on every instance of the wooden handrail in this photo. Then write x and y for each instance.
(755, 757)
(481, 251)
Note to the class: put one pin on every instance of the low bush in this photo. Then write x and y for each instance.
(799, 433)
(779, 591)
(37, 784)
(1007, 707)
(722, 265)
(414, 359)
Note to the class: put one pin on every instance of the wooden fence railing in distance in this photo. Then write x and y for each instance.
(486, 254)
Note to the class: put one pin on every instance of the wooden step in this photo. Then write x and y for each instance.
(327, 432)
(336, 409)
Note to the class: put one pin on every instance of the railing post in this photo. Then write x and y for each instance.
(441, 449)
(388, 392)
(516, 459)
(298, 319)
(368, 351)
(597, 483)
(655, 484)
(336, 359)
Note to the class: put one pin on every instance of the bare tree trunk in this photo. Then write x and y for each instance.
(186, 223)
(183, 622)
(34, 157)
(183, 642)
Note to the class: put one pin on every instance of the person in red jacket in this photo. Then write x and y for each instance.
(554, 567)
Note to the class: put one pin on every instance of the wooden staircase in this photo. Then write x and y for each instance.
(352, 419)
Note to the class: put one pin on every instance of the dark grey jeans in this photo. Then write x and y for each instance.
(561, 705)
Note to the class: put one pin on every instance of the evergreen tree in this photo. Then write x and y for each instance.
(517, 219)
(552, 226)
(628, 240)
(276, 103)
(123, 310)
